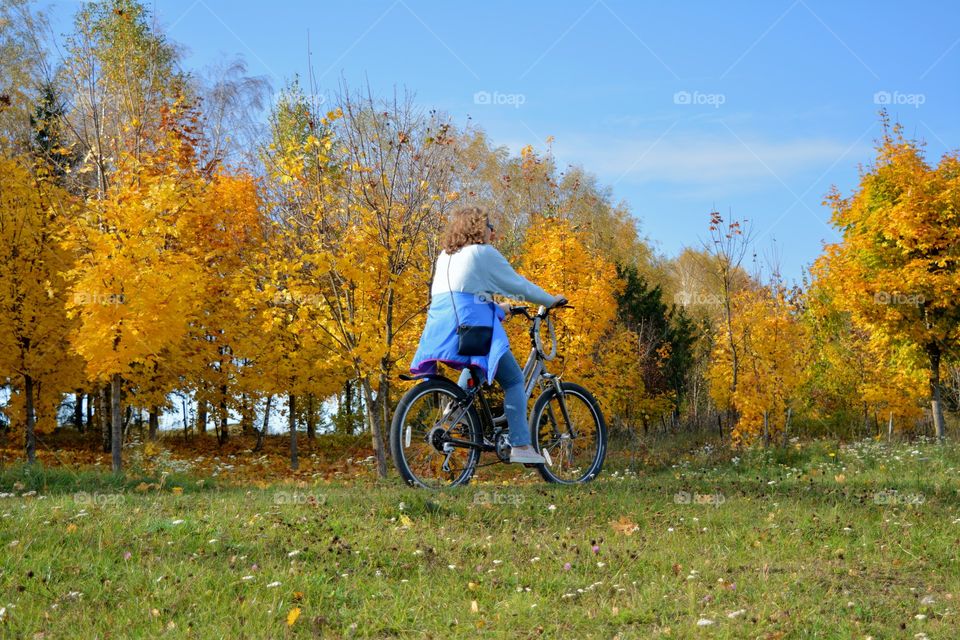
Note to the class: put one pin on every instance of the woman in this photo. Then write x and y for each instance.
(468, 271)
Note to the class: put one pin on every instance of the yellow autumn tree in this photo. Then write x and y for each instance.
(896, 270)
(855, 374)
(226, 233)
(133, 287)
(395, 167)
(555, 257)
(772, 346)
(34, 349)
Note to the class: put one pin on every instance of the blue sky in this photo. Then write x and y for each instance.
(755, 108)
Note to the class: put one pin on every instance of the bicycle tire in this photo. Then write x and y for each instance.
(599, 422)
(397, 448)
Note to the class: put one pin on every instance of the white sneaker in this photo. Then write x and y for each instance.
(526, 455)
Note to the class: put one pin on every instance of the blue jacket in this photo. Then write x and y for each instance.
(439, 341)
(474, 269)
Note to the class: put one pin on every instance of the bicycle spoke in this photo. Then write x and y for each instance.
(423, 429)
(571, 455)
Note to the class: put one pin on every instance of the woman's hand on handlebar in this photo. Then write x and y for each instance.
(561, 302)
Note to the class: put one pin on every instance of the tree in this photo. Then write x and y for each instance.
(897, 268)
(771, 344)
(854, 373)
(665, 335)
(397, 165)
(556, 258)
(728, 246)
(132, 286)
(33, 326)
(22, 72)
(117, 75)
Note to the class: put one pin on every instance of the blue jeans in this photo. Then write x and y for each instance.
(510, 377)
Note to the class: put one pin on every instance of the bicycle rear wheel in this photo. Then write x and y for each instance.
(420, 425)
(573, 441)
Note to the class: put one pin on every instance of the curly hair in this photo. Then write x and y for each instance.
(467, 225)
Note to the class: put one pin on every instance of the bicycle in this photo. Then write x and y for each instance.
(438, 433)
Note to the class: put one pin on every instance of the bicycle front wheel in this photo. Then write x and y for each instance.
(571, 434)
(421, 424)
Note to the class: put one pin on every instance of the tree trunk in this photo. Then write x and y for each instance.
(31, 435)
(223, 433)
(374, 424)
(105, 417)
(786, 427)
(294, 459)
(890, 428)
(186, 419)
(202, 417)
(90, 426)
(78, 412)
(154, 422)
(766, 431)
(116, 418)
(247, 415)
(346, 426)
(383, 400)
(935, 403)
(311, 418)
(266, 424)
(127, 420)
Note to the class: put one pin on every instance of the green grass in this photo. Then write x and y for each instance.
(804, 544)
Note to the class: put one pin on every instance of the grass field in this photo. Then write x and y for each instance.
(813, 540)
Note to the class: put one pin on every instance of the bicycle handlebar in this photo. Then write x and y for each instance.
(543, 313)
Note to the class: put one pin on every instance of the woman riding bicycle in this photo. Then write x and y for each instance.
(468, 272)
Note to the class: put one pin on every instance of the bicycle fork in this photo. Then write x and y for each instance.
(571, 433)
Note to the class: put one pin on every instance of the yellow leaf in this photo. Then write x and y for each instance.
(292, 616)
(625, 526)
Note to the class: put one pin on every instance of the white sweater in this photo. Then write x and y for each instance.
(480, 268)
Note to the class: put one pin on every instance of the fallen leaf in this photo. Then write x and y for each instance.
(625, 526)
(292, 616)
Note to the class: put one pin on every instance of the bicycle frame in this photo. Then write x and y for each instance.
(534, 372)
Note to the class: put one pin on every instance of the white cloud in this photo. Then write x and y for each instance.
(706, 160)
